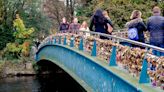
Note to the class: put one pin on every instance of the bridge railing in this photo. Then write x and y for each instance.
(123, 33)
(137, 60)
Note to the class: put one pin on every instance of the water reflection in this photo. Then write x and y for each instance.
(60, 82)
(19, 84)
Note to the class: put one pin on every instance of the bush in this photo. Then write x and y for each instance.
(22, 42)
(6, 35)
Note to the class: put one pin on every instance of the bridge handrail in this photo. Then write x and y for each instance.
(120, 30)
(125, 40)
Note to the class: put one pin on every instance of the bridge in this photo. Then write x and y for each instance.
(84, 60)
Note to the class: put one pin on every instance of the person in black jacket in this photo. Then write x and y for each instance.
(137, 23)
(64, 26)
(100, 23)
(37, 43)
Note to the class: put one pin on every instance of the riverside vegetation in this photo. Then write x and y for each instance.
(15, 57)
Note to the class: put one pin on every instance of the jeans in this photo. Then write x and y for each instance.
(155, 52)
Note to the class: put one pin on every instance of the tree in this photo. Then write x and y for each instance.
(119, 10)
(22, 35)
(56, 9)
(31, 13)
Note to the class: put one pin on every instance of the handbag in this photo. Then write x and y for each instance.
(110, 28)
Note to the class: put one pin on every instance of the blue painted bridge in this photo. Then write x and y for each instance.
(90, 72)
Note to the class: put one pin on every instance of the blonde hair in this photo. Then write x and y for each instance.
(136, 14)
(105, 13)
(84, 24)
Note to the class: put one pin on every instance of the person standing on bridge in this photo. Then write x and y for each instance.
(136, 27)
(74, 26)
(64, 26)
(155, 26)
(110, 26)
(99, 22)
(37, 43)
(84, 27)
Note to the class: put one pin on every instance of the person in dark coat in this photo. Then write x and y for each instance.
(74, 26)
(64, 26)
(137, 23)
(37, 43)
(155, 26)
(99, 22)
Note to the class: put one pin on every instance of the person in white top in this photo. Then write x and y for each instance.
(84, 27)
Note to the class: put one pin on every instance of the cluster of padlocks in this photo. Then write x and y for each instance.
(129, 59)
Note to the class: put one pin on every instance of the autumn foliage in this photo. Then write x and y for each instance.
(21, 46)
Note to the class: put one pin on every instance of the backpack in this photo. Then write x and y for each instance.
(133, 34)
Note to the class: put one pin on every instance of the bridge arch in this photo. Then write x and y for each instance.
(52, 77)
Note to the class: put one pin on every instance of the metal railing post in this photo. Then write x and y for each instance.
(94, 49)
(72, 42)
(54, 40)
(81, 44)
(144, 76)
(59, 39)
(65, 41)
(112, 61)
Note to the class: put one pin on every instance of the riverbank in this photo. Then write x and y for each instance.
(10, 68)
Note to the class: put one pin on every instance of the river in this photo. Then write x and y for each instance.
(59, 82)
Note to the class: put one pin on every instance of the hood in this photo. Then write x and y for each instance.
(134, 21)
